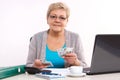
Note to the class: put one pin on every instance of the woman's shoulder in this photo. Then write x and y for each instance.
(40, 33)
(71, 33)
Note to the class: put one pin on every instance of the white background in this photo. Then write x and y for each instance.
(20, 19)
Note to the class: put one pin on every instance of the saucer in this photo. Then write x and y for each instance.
(77, 75)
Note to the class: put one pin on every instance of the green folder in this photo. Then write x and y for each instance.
(11, 71)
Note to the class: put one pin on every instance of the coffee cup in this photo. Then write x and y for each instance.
(76, 69)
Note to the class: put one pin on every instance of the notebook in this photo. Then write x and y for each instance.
(106, 54)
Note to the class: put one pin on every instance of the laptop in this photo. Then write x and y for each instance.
(106, 54)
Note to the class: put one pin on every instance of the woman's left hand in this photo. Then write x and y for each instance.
(71, 58)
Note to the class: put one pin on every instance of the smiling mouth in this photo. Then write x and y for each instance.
(56, 25)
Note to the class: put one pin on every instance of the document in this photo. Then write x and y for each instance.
(47, 76)
(61, 71)
(55, 73)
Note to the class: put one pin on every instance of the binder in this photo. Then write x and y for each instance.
(11, 71)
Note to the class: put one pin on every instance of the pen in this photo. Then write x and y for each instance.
(52, 74)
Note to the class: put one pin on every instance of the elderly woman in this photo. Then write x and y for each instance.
(43, 45)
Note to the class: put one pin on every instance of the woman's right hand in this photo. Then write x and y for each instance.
(39, 64)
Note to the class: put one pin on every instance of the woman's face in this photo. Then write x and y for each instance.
(57, 20)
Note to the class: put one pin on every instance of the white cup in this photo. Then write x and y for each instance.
(76, 69)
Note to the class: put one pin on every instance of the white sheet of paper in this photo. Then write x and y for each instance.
(62, 71)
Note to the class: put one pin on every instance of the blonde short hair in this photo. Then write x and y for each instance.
(58, 5)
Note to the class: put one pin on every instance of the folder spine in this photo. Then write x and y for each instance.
(11, 71)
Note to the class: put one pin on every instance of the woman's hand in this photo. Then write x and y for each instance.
(39, 64)
(71, 59)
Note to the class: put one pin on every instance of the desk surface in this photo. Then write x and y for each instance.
(110, 76)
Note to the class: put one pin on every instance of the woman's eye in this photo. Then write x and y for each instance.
(52, 16)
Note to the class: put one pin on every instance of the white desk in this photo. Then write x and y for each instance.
(111, 76)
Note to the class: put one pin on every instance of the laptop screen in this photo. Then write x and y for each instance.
(106, 54)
